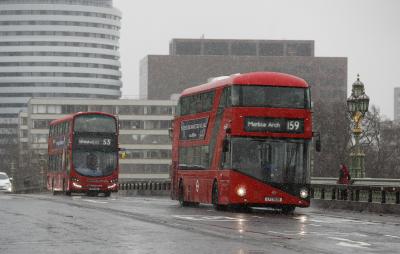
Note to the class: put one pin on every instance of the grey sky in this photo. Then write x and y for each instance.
(365, 31)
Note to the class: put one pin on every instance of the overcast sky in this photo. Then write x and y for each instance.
(365, 31)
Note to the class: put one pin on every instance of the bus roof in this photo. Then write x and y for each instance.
(252, 78)
(72, 116)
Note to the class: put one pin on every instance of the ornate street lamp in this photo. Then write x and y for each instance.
(357, 105)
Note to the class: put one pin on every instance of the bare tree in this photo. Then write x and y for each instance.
(334, 126)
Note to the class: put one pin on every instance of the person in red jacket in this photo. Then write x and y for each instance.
(344, 175)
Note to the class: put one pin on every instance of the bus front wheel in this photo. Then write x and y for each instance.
(288, 209)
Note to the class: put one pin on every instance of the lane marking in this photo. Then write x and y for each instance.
(350, 243)
(95, 201)
(393, 236)
(207, 218)
(336, 220)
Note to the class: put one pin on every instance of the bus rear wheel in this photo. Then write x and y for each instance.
(181, 196)
(215, 198)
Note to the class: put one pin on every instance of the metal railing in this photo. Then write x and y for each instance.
(370, 190)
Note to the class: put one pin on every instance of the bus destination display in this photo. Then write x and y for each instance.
(99, 142)
(262, 124)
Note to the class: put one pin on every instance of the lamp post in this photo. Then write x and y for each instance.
(357, 105)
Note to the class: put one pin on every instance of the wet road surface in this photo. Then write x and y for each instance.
(80, 224)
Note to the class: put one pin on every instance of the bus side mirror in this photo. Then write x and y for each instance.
(225, 145)
(317, 141)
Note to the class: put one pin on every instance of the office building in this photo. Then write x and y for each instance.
(143, 133)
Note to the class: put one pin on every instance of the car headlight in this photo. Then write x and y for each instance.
(241, 191)
(304, 193)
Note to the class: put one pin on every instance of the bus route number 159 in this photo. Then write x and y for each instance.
(293, 125)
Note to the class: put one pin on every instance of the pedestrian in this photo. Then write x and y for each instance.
(344, 175)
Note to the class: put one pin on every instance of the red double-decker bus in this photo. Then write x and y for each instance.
(243, 141)
(83, 154)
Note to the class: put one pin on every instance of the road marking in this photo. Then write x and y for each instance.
(349, 243)
(393, 236)
(341, 221)
(207, 218)
(314, 225)
(280, 233)
(95, 201)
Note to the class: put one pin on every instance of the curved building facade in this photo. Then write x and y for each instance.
(57, 48)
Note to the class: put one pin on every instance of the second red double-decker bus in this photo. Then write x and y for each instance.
(243, 140)
(83, 154)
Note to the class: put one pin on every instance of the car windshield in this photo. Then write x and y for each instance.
(95, 163)
(3, 177)
(273, 161)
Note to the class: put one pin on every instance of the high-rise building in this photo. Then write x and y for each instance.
(397, 104)
(56, 48)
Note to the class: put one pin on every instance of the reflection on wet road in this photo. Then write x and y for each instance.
(80, 224)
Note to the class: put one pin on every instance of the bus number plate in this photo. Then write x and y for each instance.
(273, 199)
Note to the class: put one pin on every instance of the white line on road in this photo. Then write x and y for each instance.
(95, 201)
(207, 218)
(393, 236)
(349, 243)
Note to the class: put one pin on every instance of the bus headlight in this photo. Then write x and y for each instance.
(241, 191)
(304, 193)
(112, 186)
(76, 185)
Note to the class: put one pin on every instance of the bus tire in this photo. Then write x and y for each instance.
(215, 198)
(181, 195)
(68, 193)
(288, 209)
(52, 188)
(107, 193)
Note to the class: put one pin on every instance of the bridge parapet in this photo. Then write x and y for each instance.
(371, 194)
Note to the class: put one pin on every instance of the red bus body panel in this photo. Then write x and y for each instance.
(198, 184)
(62, 180)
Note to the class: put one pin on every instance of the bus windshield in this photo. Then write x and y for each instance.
(270, 96)
(95, 123)
(272, 161)
(95, 163)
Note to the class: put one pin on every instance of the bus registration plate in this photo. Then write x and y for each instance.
(273, 199)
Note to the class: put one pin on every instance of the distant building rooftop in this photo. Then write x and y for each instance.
(231, 47)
